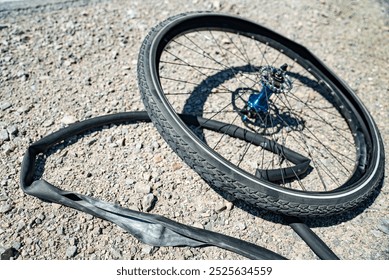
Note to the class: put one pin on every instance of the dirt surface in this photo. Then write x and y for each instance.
(66, 61)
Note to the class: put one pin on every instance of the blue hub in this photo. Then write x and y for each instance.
(259, 102)
(273, 80)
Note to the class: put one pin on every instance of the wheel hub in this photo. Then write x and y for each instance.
(273, 80)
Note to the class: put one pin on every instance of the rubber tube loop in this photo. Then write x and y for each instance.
(149, 228)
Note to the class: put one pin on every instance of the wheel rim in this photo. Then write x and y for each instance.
(313, 119)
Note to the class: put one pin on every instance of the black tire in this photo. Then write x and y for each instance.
(351, 129)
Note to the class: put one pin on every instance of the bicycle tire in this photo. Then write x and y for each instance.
(365, 173)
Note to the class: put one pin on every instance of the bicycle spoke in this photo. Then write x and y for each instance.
(225, 69)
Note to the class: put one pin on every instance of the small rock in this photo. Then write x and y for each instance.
(67, 63)
(115, 54)
(68, 119)
(60, 230)
(16, 245)
(5, 105)
(158, 158)
(72, 241)
(41, 216)
(4, 208)
(13, 130)
(147, 249)
(198, 225)
(138, 147)
(155, 145)
(167, 195)
(97, 231)
(23, 75)
(241, 225)
(376, 233)
(88, 81)
(71, 251)
(220, 207)
(10, 253)
(21, 226)
(384, 226)
(229, 205)
(147, 176)
(121, 142)
(90, 250)
(116, 254)
(23, 109)
(208, 226)
(28, 241)
(129, 182)
(48, 123)
(9, 148)
(142, 188)
(4, 135)
(131, 14)
(216, 4)
(147, 202)
(3, 196)
(176, 166)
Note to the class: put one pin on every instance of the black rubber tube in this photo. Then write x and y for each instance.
(139, 224)
(173, 233)
(312, 240)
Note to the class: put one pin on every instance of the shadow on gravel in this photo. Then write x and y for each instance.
(41, 159)
(194, 105)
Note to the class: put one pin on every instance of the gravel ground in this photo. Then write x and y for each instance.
(72, 60)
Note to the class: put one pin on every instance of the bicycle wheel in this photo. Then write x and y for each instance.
(283, 132)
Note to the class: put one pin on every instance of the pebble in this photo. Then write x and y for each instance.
(147, 176)
(147, 249)
(176, 166)
(384, 226)
(48, 122)
(116, 254)
(72, 241)
(9, 253)
(21, 225)
(138, 147)
(13, 130)
(22, 75)
(60, 230)
(158, 158)
(5, 105)
(23, 109)
(5, 207)
(220, 207)
(129, 182)
(147, 202)
(8, 148)
(68, 119)
(3, 196)
(241, 225)
(155, 145)
(131, 14)
(4, 135)
(16, 245)
(71, 251)
(229, 205)
(142, 188)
